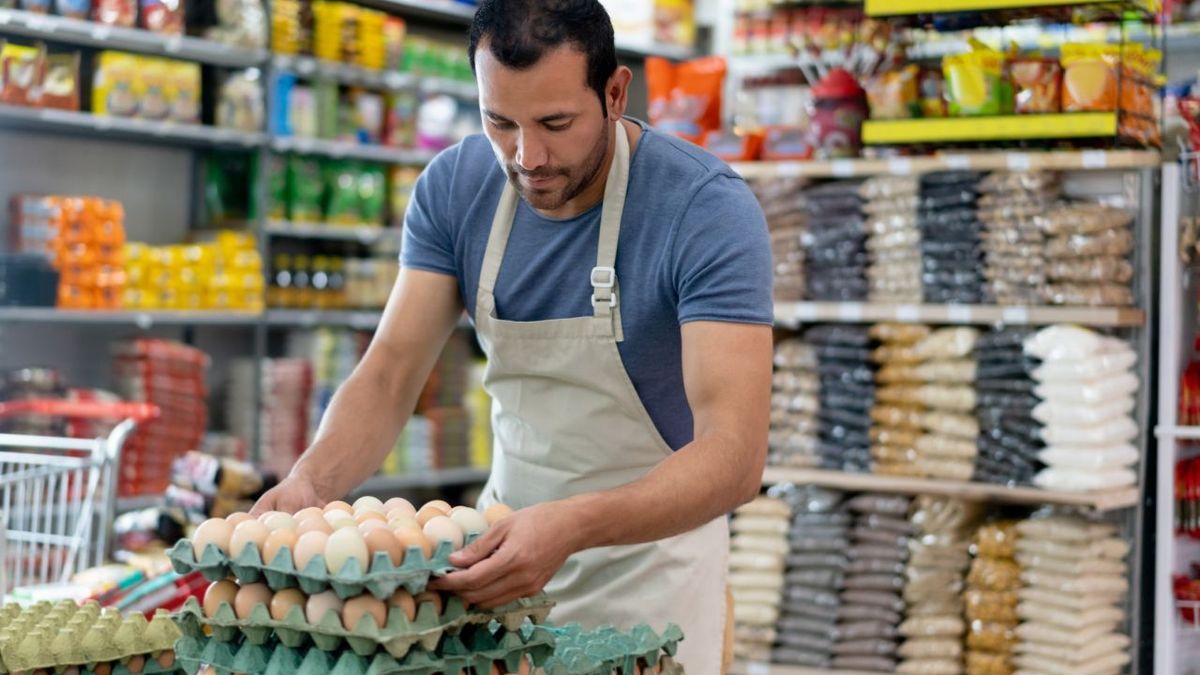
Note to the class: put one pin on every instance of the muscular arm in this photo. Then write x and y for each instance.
(373, 405)
(727, 375)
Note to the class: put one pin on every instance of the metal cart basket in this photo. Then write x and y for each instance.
(58, 495)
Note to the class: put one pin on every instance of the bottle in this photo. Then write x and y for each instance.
(301, 283)
(337, 283)
(320, 282)
(280, 294)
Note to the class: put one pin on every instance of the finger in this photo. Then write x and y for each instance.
(265, 503)
(486, 572)
(481, 548)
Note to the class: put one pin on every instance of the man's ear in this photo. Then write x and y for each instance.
(616, 92)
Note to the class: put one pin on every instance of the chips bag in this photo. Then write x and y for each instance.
(685, 99)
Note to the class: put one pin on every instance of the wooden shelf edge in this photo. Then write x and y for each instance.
(1076, 160)
(1107, 500)
(795, 314)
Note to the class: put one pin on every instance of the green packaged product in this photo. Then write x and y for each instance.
(56, 636)
(341, 196)
(305, 189)
(372, 194)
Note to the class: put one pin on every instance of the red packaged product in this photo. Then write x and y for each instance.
(163, 16)
(115, 12)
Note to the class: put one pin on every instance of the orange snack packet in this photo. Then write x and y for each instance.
(685, 99)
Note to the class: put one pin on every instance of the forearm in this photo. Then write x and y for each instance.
(705, 479)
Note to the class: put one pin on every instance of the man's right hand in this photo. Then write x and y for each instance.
(292, 494)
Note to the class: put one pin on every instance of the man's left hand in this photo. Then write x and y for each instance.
(515, 558)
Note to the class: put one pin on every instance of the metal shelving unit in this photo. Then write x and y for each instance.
(305, 318)
(345, 73)
(366, 234)
(119, 128)
(349, 150)
(143, 320)
(796, 314)
(999, 160)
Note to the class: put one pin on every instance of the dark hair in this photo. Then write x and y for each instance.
(519, 32)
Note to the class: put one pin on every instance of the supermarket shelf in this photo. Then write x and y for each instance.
(998, 128)
(1107, 500)
(142, 320)
(794, 314)
(303, 318)
(365, 234)
(979, 161)
(758, 668)
(904, 7)
(126, 504)
(143, 131)
(92, 34)
(344, 73)
(1178, 433)
(349, 150)
(432, 479)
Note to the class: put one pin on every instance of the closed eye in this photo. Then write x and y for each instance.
(501, 124)
(558, 127)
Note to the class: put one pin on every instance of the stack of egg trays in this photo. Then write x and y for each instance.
(1009, 436)
(606, 650)
(835, 243)
(950, 238)
(381, 579)
(397, 638)
(870, 613)
(478, 647)
(56, 636)
(795, 392)
(846, 397)
(815, 569)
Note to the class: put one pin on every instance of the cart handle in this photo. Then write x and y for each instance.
(138, 412)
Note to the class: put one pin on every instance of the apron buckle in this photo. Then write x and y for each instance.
(607, 277)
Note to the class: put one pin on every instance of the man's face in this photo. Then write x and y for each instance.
(545, 124)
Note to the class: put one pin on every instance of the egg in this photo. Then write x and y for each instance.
(338, 506)
(368, 525)
(399, 505)
(218, 593)
(213, 531)
(277, 540)
(235, 519)
(309, 546)
(249, 597)
(321, 604)
(284, 601)
(335, 516)
(398, 521)
(364, 605)
(368, 503)
(249, 533)
(469, 520)
(440, 529)
(343, 545)
(102, 669)
(496, 513)
(428, 513)
(278, 521)
(344, 523)
(404, 600)
(166, 658)
(409, 537)
(431, 597)
(364, 516)
(307, 512)
(440, 505)
(317, 524)
(382, 539)
(136, 664)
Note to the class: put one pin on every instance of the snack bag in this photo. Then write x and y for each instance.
(1090, 77)
(1037, 85)
(113, 84)
(893, 95)
(74, 9)
(21, 74)
(115, 12)
(163, 16)
(932, 87)
(183, 92)
(685, 99)
(60, 82)
(975, 83)
(150, 86)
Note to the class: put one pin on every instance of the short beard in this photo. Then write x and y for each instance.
(552, 200)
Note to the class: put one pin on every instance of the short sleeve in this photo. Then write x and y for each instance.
(722, 256)
(428, 242)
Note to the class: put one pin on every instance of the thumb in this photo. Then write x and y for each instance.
(479, 549)
(265, 503)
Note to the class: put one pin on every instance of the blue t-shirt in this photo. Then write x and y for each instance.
(693, 247)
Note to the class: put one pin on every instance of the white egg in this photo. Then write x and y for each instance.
(343, 545)
(368, 503)
(441, 528)
(470, 520)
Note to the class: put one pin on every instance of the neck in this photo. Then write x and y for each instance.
(594, 192)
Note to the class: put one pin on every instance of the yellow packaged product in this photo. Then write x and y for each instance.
(894, 95)
(1090, 76)
(183, 92)
(114, 85)
(150, 87)
(976, 83)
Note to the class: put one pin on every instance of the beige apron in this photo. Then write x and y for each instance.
(567, 420)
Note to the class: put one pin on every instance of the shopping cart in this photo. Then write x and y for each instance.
(58, 495)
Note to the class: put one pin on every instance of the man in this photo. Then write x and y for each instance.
(619, 281)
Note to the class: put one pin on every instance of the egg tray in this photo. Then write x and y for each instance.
(607, 650)
(478, 647)
(57, 635)
(381, 579)
(398, 637)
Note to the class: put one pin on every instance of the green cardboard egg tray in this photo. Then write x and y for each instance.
(478, 648)
(397, 638)
(607, 650)
(64, 634)
(381, 579)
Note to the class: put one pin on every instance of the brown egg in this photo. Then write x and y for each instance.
(363, 516)
(249, 533)
(398, 521)
(166, 659)
(71, 670)
(495, 669)
(339, 506)
(103, 669)
(428, 513)
(410, 537)
(524, 668)
(318, 524)
(309, 546)
(369, 525)
(219, 593)
(496, 513)
(285, 600)
(364, 605)
(382, 539)
(136, 664)
(308, 512)
(277, 540)
(431, 597)
(235, 519)
(440, 505)
(249, 597)
(404, 600)
(399, 505)
(321, 604)
(441, 528)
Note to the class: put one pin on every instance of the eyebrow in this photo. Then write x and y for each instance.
(554, 117)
